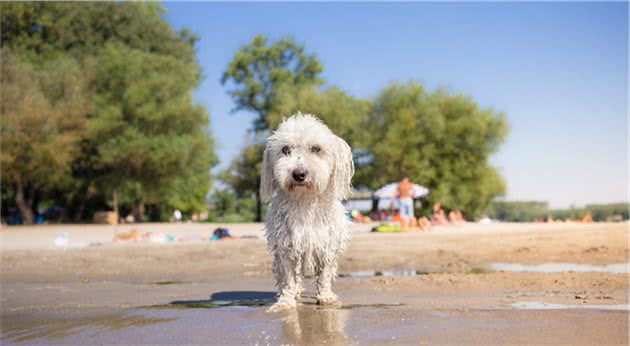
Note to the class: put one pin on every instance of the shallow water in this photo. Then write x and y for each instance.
(549, 306)
(311, 325)
(253, 299)
(373, 273)
(24, 328)
(618, 268)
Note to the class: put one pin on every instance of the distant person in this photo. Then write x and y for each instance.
(460, 216)
(374, 210)
(177, 215)
(405, 194)
(438, 217)
(452, 217)
(424, 223)
(455, 217)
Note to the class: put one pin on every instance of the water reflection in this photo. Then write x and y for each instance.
(315, 326)
(617, 268)
(550, 306)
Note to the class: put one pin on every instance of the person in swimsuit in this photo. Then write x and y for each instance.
(405, 194)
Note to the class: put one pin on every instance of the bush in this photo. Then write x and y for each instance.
(530, 211)
(228, 208)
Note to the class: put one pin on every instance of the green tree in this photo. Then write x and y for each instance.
(224, 202)
(146, 130)
(46, 29)
(343, 113)
(43, 118)
(437, 139)
(243, 175)
(146, 142)
(259, 68)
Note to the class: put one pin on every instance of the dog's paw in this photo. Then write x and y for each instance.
(282, 304)
(329, 300)
(298, 293)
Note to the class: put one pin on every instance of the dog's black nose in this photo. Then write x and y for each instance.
(299, 175)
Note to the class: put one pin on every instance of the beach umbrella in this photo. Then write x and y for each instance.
(389, 191)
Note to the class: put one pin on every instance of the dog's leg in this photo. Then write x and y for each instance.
(299, 286)
(286, 281)
(325, 277)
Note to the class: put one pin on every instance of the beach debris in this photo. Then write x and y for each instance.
(387, 273)
(394, 227)
(61, 239)
(485, 221)
(126, 237)
(158, 237)
(221, 233)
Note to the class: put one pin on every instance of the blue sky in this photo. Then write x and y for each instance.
(558, 70)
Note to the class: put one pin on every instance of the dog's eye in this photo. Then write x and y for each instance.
(316, 149)
(286, 150)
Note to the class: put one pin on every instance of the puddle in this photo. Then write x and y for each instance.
(252, 299)
(212, 304)
(548, 306)
(161, 283)
(618, 268)
(209, 304)
(372, 273)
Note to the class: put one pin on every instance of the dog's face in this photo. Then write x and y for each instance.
(304, 157)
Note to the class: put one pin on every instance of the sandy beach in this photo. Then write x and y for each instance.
(439, 286)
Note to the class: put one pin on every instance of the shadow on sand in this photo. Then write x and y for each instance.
(230, 298)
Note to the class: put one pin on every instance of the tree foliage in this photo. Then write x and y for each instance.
(230, 208)
(259, 68)
(341, 112)
(437, 139)
(243, 174)
(144, 139)
(146, 131)
(47, 29)
(43, 120)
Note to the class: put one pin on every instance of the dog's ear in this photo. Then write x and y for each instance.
(266, 176)
(343, 170)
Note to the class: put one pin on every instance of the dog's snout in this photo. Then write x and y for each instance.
(299, 174)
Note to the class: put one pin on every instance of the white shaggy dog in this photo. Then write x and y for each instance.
(306, 172)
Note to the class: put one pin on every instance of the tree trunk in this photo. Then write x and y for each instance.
(258, 208)
(138, 211)
(78, 213)
(116, 207)
(25, 206)
(33, 200)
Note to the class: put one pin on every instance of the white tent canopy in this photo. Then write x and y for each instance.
(390, 191)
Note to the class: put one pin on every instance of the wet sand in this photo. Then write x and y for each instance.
(217, 292)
